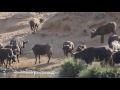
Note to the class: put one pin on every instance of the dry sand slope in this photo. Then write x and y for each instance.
(57, 28)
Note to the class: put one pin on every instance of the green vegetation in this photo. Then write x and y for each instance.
(97, 71)
(71, 68)
(79, 69)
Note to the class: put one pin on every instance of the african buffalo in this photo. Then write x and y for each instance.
(104, 29)
(98, 53)
(34, 24)
(68, 47)
(15, 49)
(6, 53)
(116, 57)
(18, 41)
(114, 42)
(39, 50)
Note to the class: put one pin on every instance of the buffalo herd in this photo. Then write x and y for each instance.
(12, 51)
(109, 53)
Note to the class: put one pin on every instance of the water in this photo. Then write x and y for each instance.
(28, 74)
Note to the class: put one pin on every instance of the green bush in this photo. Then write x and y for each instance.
(77, 68)
(97, 71)
(71, 68)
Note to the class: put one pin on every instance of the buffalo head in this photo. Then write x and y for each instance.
(93, 33)
(66, 47)
(81, 48)
(24, 42)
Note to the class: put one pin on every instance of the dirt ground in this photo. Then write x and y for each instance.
(57, 28)
(13, 24)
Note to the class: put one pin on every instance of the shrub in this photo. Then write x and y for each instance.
(97, 71)
(71, 68)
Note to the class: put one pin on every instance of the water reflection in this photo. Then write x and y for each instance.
(28, 74)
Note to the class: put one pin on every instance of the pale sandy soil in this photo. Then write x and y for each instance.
(57, 28)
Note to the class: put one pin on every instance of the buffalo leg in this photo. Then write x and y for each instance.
(20, 51)
(50, 53)
(39, 58)
(64, 54)
(102, 39)
(67, 54)
(0, 62)
(6, 63)
(35, 59)
(111, 61)
(9, 62)
(71, 53)
(18, 58)
(34, 29)
(12, 61)
(49, 56)
(31, 28)
(36, 26)
(3, 62)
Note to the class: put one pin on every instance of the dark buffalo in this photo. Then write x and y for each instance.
(15, 49)
(114, 42)
(104, 29)
(41, 20)
(68, 47)
(39, 50)
(17, 41)
(34, 24)
(6, 53)
(98, 53)
(81, 48)
(116, 57)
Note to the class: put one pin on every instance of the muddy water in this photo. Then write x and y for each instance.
(28, 74)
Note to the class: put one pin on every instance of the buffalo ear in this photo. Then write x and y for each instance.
(93, 30)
